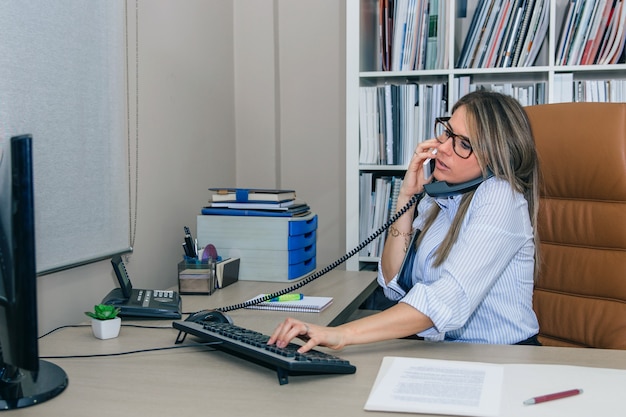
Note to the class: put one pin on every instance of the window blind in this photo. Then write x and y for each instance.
(63, 80)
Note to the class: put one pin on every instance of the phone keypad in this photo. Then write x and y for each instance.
(163, 294)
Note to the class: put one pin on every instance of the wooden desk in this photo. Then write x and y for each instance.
(199, 381)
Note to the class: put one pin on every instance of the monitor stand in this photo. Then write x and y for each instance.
(20, 388)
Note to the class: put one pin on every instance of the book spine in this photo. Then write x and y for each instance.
(528, 11)
(471, 33)
(498, 34)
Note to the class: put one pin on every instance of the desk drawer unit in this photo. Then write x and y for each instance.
(270, 248)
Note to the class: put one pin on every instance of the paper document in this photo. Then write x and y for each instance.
(435, 386)
(416, 385)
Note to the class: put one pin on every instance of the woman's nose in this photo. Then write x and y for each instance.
(447, 145)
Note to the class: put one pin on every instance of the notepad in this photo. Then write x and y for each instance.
(308, 304)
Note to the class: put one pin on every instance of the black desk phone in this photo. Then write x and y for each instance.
(141, 303)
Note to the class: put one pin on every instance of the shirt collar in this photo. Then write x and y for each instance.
(449, 205)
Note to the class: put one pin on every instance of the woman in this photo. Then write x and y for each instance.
(475, 262)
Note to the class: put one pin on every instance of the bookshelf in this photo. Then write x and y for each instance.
(364, 69)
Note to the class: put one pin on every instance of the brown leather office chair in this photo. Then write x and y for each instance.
(580, 295)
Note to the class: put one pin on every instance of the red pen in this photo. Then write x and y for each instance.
(555, 396)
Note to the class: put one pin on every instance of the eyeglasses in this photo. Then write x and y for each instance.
(461, 144)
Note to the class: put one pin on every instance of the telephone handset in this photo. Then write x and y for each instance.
(445, 189)
(435, 189)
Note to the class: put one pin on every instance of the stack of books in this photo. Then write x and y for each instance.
(411, 35)
(255, 202)
(379, 198)
(593, 33)
(505, 33)
(394, 118)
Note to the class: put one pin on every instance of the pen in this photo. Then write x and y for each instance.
(287, 297)
(189, 243)
(186, 250)
(551, 397)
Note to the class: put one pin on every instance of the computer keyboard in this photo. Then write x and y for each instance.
(252, 346)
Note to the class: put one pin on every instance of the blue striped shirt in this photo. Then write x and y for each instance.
(482, 292)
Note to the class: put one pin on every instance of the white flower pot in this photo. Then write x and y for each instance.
(106, 329)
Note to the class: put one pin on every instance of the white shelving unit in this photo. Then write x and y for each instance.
(361, 38)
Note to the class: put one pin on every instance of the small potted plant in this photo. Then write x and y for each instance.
(105, 322)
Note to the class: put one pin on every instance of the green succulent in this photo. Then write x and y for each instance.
(103, 312)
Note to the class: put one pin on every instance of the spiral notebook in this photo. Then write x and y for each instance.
(308, 304)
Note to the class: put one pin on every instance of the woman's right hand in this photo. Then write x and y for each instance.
(414, 180)
(312, 334)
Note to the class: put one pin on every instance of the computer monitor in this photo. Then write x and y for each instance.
(25, 380)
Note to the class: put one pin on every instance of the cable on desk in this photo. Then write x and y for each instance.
(89, 325)
(62, 327)
(130, 352)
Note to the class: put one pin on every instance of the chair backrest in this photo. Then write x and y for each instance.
(580, 294)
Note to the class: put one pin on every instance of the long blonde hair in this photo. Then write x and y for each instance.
(502, 140)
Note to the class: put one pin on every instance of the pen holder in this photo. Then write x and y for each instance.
(196, 277)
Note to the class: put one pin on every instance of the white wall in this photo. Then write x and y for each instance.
(256, 90)
(290, 84)
(244, 93)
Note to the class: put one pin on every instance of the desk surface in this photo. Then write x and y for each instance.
(199, 381)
